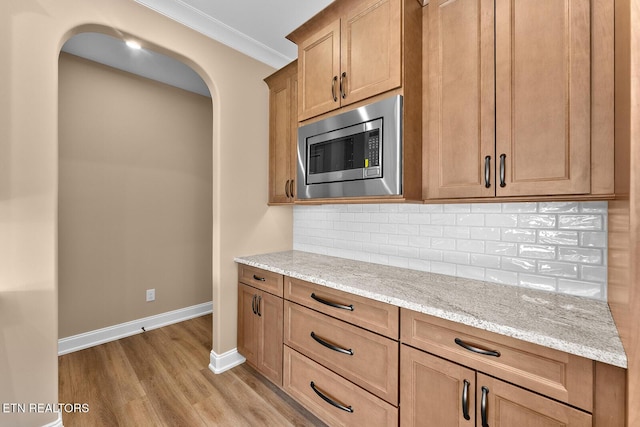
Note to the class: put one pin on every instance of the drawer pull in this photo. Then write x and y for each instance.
(332, 304)
(482, 351)
(465, 400)
(261, 279)
(329, 400)
(483, 407)
(331, 346)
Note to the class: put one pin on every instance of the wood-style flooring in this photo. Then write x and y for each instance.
(161, 378)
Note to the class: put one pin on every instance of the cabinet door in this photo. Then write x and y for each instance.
(280, 140)
(247, 325)
(371, 50)
(319, 72)
(543, 96)
(283, 133)
(460, 101)
(432, 390)
(270, 314)
(507, 405)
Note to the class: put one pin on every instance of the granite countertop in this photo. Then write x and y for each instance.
(575, 325)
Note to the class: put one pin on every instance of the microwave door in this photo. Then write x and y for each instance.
(340, 159)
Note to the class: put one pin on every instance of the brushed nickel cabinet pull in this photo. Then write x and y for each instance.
(478, 350)
(343, 85)
(465, 400)
(332, 304)
(331, 346)
(329, 400)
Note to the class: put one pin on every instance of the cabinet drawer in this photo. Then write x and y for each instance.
(363, 408)
(261, 279)
(370, 314)
(559, 375)
(367, 359)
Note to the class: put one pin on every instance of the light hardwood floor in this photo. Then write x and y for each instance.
(161, 378)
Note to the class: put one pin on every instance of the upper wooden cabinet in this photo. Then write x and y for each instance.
(349, 52)
(356, 52)
(509, 99)
(283, 125)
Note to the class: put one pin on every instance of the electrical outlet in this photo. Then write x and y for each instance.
(151, 295)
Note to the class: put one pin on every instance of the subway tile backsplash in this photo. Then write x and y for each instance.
(552, 246)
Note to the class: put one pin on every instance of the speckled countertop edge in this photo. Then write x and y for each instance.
(572, 324)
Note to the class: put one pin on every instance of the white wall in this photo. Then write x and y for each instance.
(559, 247)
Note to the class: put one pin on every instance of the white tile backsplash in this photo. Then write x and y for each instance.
(553, 246)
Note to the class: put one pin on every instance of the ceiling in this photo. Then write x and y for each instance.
(254, 27)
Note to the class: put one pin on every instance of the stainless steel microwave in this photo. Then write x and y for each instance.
(353, 154)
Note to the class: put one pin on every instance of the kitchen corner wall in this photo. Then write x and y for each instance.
(555, 246)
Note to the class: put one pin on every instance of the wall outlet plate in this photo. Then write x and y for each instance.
(151, 295)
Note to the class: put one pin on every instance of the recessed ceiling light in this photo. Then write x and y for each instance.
(133, 44)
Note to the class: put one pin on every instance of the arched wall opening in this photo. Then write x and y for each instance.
(134, 191)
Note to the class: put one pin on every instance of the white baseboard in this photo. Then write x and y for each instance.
(112, 333)
(56, 423)
(225, 361)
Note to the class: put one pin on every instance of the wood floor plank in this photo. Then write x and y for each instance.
(161, 378)
(285, 405)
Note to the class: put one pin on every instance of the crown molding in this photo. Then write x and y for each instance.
(186, 15)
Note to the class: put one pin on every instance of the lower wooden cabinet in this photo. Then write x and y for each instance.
(260, 330)
(338, 355)
(435, 391)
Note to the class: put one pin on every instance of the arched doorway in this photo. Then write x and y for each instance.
(134, 191)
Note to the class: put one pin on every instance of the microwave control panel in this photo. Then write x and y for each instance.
(372, 157)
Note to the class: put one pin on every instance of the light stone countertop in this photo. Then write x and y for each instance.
(575, 325)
